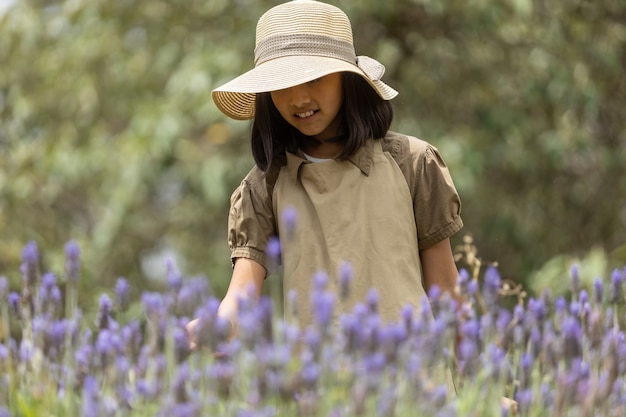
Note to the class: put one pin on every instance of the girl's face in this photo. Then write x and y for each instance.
(313, 107)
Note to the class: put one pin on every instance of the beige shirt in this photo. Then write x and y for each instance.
(375, 210)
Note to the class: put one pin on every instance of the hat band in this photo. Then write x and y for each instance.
(303, 44)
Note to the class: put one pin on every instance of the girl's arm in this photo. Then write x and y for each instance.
(439, 268)
(246, 281)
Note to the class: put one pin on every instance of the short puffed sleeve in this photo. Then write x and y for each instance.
(251, 219)
(436, 203)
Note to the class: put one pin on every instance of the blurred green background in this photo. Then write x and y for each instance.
(108, 134)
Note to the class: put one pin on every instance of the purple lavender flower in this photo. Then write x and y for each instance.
(320, 281)
(40, 324)
(153, 304)
(4, 352)
(572, 338)
(179, 384)
(560, 305)
(72, 261)
(26, 351)
(492, 287)
(122, 296)
(406, 316)
(108, 343)
(351, 330)
(312, 340)
(4, 412)
(503, 321)
(524, 400)
(434, 292)
(125, 396)
(104, 320)
(468, 354)
(323, 304)
(131, 338)
(49, 294)
(470, 329)
(55, 338)
(149, 390)
(222, 373)
(55, 296)
(91, 406)
(535, 340)
(371, 300)
(122, 365)
(83, 357)
(191, 295)
(30, 263)
(346, 272)
(519, 335)
(463, 281)
(598, 291)
(537, 308)
(547, 395)
(390, 338)
(208, 334)
(290, 219)
(583, 297)
(310, 374)
(273, 250)
(472, 288)
(617, 293)
(181, 344)
(265, 316)
(575, 308)
(106, 306)
(374, 364)
(174, 277)
(526, 363)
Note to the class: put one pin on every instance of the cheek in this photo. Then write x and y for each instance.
(279, 102)
(278, 98)
(282, 106)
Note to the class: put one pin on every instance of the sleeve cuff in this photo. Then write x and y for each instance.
(443, 233)
(249, 253)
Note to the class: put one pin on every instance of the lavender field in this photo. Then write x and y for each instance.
(553, 355)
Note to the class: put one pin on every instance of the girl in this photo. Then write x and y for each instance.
(381, 202)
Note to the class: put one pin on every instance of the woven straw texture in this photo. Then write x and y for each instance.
(297, 42)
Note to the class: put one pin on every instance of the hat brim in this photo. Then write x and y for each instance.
(236, 98)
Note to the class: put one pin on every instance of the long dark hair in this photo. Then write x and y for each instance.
(364, 115)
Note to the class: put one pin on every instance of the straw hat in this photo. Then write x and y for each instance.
(297, 42)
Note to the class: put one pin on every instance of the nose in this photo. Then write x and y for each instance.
(299, 95)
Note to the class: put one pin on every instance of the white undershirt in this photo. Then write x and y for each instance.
(314, 159)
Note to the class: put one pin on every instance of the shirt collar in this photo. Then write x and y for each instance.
(362, 159)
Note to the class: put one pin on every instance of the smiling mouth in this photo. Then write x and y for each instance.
(306, 114)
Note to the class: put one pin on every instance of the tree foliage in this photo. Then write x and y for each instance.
(108, 134)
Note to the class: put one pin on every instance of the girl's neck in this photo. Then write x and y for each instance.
(327, 149)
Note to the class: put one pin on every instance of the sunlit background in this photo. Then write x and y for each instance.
(108, 134)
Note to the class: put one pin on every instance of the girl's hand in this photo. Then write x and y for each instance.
(191, 333)
(510, 405)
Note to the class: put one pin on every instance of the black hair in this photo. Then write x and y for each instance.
(364, 115)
